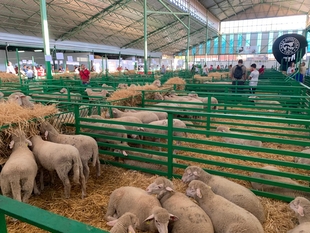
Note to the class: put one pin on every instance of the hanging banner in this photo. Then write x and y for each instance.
(59, 56)
(289, 48)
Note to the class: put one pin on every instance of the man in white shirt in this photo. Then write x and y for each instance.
(253, 77)
(10, 68)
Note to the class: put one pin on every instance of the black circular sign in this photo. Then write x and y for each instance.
(289, 48)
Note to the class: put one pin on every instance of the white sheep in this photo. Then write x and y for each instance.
(276, 189)
(145, 117)
(191, 217)
(122, 86)
(18, 174)
(161, 115)
(301, 207)
(239, 141)
(60, 158)
(225, 215)
(230, 190)
(189, 104)
(107, 86)
(21, 99)
(86, 145)
(73, 96)
(303, 160)
(97, 95)
(266, 103)
(128, 222)
(152, 217)
(205, 100)
(157, 83)
(1, 97)
(302, 228)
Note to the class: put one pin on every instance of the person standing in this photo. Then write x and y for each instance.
(205, 70)
(261, 70)
(162, 69)
(291, 69)
(84, 75)
(238, 74)
(29, 73)
(253, 77)
(10, 69)
(302, 72)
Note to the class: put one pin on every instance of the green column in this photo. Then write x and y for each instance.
(188, 41)
(106, 65)
(19, 74)
(119, 59)
(45, 34)
(207, 35)
(145, 36)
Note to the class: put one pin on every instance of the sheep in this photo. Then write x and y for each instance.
(152, 217)
(302, 228)
(107, 86)
(266, 103)
(1, 97)
(145, 117)
(86, 145)
(303, 160)
(128, 222)
(73, 96)
(122, 86)
(276, 189)
(21, 99)
(60, 158)
(99, 95)
(157, 83)
(225, 215)
(190, 103)
(18, 173)
(130, 119)
(176, 124)
(222, 83)
(205, 100)
(239, 141)
(301, 207)
(191, 217)
(232, 191)
(161, 115)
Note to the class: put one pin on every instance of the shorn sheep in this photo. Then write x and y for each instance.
(222, 212)
(303, 160)
(128, 222)
(161, 115)
(276, 189)
(239, 141)
(301, 207)
(145, 117)
(86, 145)
(21, 99)
(96, 95)
(232, 191)
(205, 100)
(152, 217)
(60, 158)
(17, 177)
(73, 96)
(191, 217)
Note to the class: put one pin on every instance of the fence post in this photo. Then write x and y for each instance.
(142, 101)
(208, 118)
(77, 118)
(170, 146)
(3, 228)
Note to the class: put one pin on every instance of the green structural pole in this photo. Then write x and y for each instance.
(45, 37)
(18, 64)
(106, 65)
(145, 36)
(119, 59)
(102, 69)
(188, 41)
(207, 35)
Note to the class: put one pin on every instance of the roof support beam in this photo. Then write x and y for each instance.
(113, 7)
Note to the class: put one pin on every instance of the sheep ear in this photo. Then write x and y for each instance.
(45, 135)
(125, 153)
(29, 143)
(173, 218)
(300, 211)
(131, 230)
(149, 218)
(112, 223)
(11, 144)
(198, 193)
(169, 189)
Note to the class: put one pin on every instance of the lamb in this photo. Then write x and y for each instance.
(126, 223)
(157, 83)
(176, 124)
(18, 174)
(107, 86)
(266, 103)
(21, 99)
(145, 117)
(86, 145)
(161, 115)
(205, 100)
(191, 217)
(60, 158)
(303, 160)
(73, 96)
(152, 217)
(222, 212)
(239, 141)
(232, 191)
(276, 189)
(301, 207)
(97, 95)
(302, 228)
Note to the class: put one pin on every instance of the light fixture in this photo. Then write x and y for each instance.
(38, 50)
(21, 51)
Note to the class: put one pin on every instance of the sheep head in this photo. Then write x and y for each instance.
(196, 188)
(191, 173)
(223, 129)
(301, 206)
(161, 219)
(159, 186)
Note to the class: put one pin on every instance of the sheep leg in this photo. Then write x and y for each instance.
(175, 150)
(83, 183)
(63, 176)
(27, 188)
(6, 188)
(85, 169)
(35, 188)
(16, 190)
(41, 180)
(52, 176)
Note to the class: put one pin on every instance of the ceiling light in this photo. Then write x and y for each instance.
(21, 51)
(38, 50)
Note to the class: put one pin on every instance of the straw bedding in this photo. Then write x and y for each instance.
(179, 82)
(7, 77)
